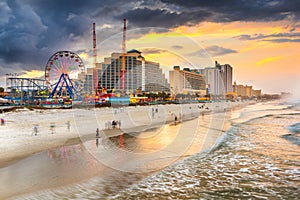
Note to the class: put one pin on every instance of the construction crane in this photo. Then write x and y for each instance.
(95, 71)
(123, 69)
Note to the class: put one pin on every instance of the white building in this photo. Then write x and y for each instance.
(226, 76)
(218, 79)
(213, 80)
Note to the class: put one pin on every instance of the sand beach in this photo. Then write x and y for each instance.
(152, 140)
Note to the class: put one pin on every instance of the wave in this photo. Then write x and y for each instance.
(250, 161)
(294, 128)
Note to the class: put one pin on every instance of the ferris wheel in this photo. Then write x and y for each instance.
(64, 62)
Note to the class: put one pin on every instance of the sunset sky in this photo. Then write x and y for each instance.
(259, 38)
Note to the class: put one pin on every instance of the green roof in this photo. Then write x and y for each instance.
(133, 51)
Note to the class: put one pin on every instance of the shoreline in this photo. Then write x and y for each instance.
(113, 132)
(205, 138)
(46, 143)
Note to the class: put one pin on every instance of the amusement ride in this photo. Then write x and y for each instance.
(61, 75)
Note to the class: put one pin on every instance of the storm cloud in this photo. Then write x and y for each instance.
(32, 30)
(194, 11)
(278, 37)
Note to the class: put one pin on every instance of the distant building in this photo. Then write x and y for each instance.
(213, 80)
(218, 79)
(256, 93)
(245, 91)
(153, 78)
(87, 79)
(226, 76)
(248, 90)
(140, 74)
(186, 81)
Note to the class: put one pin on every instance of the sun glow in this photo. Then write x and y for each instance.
(33, 74)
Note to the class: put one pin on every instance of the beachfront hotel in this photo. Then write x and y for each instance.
(246, 91)
(141, 74)
(218, 79)
(186, 81)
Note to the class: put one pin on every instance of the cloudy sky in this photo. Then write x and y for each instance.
(259, 38)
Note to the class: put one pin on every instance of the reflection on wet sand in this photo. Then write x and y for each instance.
(142, 152)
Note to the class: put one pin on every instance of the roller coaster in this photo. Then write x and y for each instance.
(61, 80)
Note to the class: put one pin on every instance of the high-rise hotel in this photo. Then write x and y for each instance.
(218, 79)
(186, 81)
(140, 74)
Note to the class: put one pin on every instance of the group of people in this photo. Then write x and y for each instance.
(36, 129)
(154, 110)
(203, 107)
(51, 128)
(113, 124)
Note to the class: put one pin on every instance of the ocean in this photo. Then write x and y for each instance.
(258, 157)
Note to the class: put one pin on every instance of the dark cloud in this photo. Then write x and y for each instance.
(153, 51)
(219, 51)
(233, 10)
(163, 18)
(30, 38)
(283, 40)
(262, 36)
(32, 30)
(277, 37)
(194, 11)
(20, 35)
(212, 51)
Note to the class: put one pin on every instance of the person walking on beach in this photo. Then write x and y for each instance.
(68, 125)
(97, 142)
(181, 116)
(2, 122)
(119, 123)
(35, 130)
(97, 132)
(175, 120)
(52, 126)
(114, 123)
(152, 113)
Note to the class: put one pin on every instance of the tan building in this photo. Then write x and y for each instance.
(245, 91)
(186, 81)
(239, 90)
(256, 93)
(248, 91)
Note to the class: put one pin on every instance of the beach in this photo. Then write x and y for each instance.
(151, 140)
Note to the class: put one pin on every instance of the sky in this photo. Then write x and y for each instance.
(259, 39)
